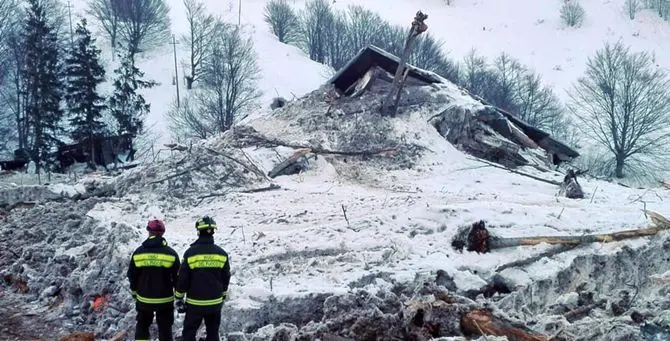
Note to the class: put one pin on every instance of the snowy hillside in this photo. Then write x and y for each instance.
(528, 30)
(531, 31)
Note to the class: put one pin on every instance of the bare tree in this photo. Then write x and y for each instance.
(143, 24)
(428, 53)
(622, 101)
(8, 22)
(338, 49)
(12, 94)
(506, 75)
(365, 27)
(662, 7)
(283, 20)
(107, 17)
(189, 121)
(475, 75)
(8, 25)
(391, 38)
(572, 13)
(632, 7)
(317, 22)
(228, 89)
(201, 27)
(538, 105)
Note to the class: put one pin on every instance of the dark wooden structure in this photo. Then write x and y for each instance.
(105, 150)
(19, 162)
(372, 56)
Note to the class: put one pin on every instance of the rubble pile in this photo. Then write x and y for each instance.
(70, 269)
(617, 296)
(622, 295)
(348, 133)
(420, 311)
(212, 166)
(11, 195)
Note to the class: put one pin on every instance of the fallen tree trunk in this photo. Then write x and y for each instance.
(250, 137)
(478, 238)
(272, 187)
(552, 182)
(483, 322)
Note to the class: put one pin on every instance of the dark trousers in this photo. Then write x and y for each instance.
(193, 319)
(164, 320)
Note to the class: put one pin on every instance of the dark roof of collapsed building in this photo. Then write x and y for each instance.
(373, 56)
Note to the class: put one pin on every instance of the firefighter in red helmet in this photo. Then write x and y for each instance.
(153, 275)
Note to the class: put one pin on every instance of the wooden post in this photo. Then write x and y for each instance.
(176, 76)
(389, 106)
(69, 14)
(239, 13)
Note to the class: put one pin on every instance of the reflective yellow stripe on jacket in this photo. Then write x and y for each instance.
(207, 261)
(154, 259)
(201, 303)
(148, 300)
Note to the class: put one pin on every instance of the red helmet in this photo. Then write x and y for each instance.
(156, 226)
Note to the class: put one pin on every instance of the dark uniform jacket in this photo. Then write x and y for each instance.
(153, 274)
(204, 275)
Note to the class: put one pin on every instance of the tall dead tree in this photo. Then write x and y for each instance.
(390, 104)
(201, 32)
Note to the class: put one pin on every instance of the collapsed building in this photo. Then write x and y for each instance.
(79, 282)
(488, 132)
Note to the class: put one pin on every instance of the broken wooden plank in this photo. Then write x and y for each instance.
(120, 336)
(78, 336)
(483, 322)
(293, 164)
(552, 182)
(479, 239)
(271, 187)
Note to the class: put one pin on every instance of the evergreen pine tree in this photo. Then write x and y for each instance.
(83, 73)
(42, 85)
(126, 105)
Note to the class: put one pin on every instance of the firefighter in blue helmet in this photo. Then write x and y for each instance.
(153, 275)
(203, 280)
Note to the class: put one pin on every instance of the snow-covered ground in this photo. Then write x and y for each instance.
(296, 240)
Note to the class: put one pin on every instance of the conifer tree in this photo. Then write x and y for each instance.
(83, 73)
(126, 105)
(42, 85)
